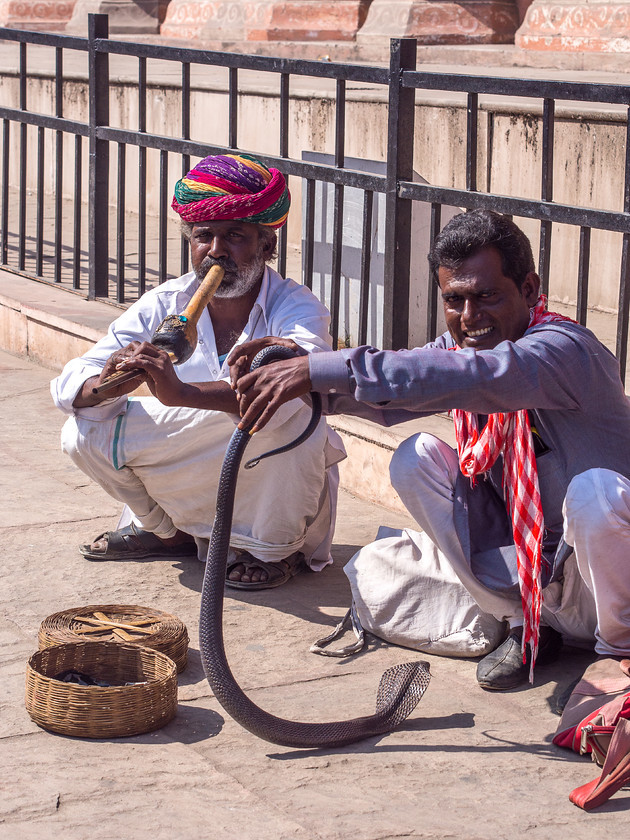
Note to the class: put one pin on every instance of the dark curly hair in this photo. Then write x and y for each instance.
(468, 233)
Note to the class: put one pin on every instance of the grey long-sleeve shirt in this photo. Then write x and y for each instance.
(558, 371)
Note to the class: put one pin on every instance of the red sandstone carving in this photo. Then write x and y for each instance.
(572, 27)
(39, 15)
(265, 20)
(441, 21)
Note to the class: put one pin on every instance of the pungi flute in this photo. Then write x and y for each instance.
(177, 334)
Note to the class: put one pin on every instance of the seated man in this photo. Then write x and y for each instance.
(164, 462)
(537, 497)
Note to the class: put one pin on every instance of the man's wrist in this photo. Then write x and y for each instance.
(85, 398)
(329, 373)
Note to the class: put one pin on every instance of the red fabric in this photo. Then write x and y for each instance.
(571, 738)
(615, 772)
(509, 434)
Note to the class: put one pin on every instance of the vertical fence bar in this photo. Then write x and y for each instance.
(309, 227)
(433, 290)
(400, 131)
(78, 186)
(366, 258)
(39, 226)
(184, 248)
(23, 165)
(163, 232)
(58, 234)
(624, 283)
(142, 178)
(233, 108)
(284, 152)
(472, 123)
(489, 149)
(4, 233)
(337, 243)
(624, 301)
(546, 191)
(583, 272)
(335, 279)
(98, 188)
(120, 225)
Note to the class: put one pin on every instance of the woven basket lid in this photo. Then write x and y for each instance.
(123, 623)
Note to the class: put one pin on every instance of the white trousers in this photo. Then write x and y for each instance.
(592, 602)
(164, 464)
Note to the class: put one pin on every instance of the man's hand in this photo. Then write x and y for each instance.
(241, 357)
(158, 371)
(86, 398)
(261, 392)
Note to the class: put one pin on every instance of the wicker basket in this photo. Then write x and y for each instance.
(129, 624)
(94, 711)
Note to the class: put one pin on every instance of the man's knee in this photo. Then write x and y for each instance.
(418, 454)
(594, 496)
(70, 439)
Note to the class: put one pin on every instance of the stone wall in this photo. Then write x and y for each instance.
(588, 167)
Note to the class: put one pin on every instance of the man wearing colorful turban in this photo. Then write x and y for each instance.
(161, 455)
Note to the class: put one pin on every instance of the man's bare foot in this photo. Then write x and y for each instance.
(247, 572)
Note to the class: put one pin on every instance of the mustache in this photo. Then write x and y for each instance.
(226, 263)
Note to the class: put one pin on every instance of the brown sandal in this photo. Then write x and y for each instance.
(132, 543)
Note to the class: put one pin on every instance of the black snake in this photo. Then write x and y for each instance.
(401, 687)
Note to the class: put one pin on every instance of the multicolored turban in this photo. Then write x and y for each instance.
(223, 187)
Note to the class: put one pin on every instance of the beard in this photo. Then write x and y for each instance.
(236, 282)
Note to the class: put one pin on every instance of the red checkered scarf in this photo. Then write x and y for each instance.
(509, 434)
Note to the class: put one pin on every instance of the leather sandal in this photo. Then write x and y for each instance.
(278, 571)
(132, 543)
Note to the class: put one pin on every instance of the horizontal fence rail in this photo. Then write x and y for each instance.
(68, 183)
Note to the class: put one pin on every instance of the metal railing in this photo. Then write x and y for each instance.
(81, 249)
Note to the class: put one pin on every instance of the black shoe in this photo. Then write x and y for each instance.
(504, 669)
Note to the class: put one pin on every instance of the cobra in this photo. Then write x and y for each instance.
(400, 688)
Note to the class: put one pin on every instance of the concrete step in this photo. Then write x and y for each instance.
(50, 326)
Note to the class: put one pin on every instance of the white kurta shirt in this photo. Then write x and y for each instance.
(149, 456)
(283, 308)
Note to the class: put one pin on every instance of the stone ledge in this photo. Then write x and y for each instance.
(453, 58)
(48, 325)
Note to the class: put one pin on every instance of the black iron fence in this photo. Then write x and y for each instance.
(70, 224)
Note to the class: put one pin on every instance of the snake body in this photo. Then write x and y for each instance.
(401, 687)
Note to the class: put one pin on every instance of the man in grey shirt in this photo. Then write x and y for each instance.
(533, 511)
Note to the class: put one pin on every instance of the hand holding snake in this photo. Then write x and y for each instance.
(261, 392)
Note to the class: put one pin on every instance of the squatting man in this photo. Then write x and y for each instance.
(161, 455)
(532, 512)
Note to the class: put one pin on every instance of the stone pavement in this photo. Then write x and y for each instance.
(467, 764)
